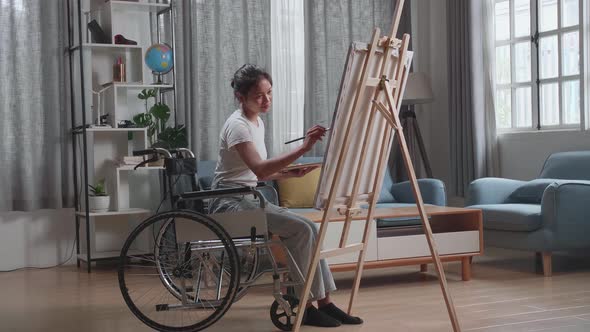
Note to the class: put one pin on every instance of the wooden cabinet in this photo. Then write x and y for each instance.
(458, 234)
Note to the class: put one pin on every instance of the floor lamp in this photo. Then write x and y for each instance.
(418, 91)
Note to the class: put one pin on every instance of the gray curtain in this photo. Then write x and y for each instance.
(35, 149)
(213, 39)
(473, 143)
(330, 27)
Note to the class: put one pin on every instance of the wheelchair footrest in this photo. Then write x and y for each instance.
(206, 305)
(290, 283)
(161, 307)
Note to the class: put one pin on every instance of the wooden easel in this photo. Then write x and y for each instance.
(390, 89)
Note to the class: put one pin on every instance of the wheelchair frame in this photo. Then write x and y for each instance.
(284, 305)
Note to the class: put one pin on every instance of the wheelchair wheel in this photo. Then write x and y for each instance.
(280, 317)
(179, 271)
(248, 260)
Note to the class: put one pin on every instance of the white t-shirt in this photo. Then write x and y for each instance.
(231, 169)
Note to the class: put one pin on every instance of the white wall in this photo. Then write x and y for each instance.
(39, 238)
(522, 154)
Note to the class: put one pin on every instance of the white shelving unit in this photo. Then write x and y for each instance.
(137, 6)
(134, 194)
(122, 180)
(114, 213)
(122, 99)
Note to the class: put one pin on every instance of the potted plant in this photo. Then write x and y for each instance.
(155, 119)
(98, 200)
(155, 116)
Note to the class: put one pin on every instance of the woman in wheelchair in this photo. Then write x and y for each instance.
(243, 162)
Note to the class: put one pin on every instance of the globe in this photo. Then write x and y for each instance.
(159, 58)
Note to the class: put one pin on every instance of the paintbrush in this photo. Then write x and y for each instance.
(300, 138)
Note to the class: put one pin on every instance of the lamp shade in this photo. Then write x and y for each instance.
(418, 90)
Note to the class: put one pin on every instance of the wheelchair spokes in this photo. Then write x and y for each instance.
(200, 276)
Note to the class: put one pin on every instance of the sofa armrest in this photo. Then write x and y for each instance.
(565, 208)
(433, 192)
(491, 190)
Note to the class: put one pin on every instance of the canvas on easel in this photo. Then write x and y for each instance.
(365, 121)
(357, 55)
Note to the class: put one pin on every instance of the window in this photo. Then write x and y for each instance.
(538, 64)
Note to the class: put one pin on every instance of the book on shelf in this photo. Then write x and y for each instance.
(131, 160)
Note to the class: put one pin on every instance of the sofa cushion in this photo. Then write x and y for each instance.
(299, 192)
(206, 172)
(511, 217)
(571, 165)
(385, 196)
(531, 192)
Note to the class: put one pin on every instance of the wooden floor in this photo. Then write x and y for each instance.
(504, 295)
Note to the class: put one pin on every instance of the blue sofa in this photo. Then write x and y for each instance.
(548, 214)
(392, 194)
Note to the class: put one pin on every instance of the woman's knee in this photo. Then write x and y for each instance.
(288, 227)
(304, 231)
(312, 225)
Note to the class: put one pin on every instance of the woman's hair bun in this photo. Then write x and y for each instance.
(247, 77)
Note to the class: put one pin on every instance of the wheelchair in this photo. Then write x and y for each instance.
(181, 270)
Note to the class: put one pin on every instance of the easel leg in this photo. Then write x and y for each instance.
(424, 217)
(304, 296)
(434, 252)
(430, 238)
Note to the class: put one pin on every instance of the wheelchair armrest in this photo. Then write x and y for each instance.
(225, 192)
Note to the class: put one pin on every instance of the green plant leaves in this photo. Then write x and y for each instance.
(147, 94)
(161, 112)
(172, 138)
(155, 120)
(98, 189)
(143, 119)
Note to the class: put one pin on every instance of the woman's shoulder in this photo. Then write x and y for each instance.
(235, 124)
(236, 118)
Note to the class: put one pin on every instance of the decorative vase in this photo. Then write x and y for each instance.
(99, 203)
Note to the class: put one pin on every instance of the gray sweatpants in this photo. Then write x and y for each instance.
(297, 233)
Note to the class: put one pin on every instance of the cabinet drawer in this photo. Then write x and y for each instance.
(407, 246)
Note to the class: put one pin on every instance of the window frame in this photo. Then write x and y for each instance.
(536, 82)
